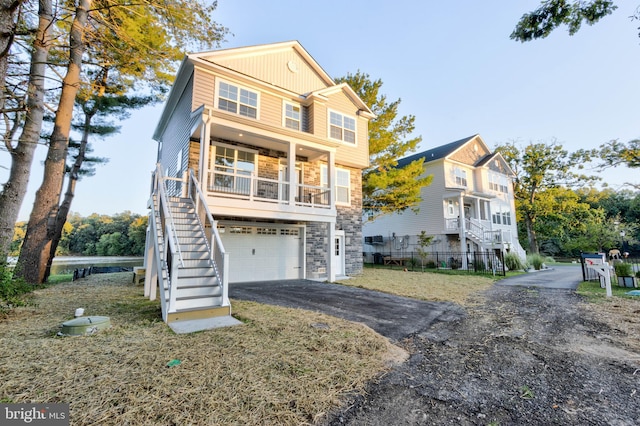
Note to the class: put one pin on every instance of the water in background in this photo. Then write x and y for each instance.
(67, 264)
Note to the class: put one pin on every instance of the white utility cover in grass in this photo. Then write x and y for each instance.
(264, 253)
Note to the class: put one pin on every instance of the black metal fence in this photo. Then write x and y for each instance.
(481, 262)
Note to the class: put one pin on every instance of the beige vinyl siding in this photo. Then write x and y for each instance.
(203, 89)
(270, 109)
(355, 155)
(272, 68)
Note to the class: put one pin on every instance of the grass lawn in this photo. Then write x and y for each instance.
(460, 288)
(282, 366)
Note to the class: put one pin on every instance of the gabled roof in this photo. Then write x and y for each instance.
(498, 157)
(437, 152)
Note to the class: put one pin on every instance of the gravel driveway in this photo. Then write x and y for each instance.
(531, 353)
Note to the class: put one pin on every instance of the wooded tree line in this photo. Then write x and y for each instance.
(96, 235)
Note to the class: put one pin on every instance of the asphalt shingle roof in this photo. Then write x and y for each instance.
(435, 153)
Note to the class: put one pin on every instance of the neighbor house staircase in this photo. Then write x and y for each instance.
(185, 258)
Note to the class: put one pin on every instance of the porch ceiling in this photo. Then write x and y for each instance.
(261, 140)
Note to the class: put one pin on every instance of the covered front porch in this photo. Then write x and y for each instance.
(266, 174)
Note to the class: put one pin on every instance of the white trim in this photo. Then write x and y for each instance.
(286, 103)
(324, 180)
(216, 100)
(343, 115)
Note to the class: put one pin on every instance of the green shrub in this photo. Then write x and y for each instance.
(536, 260)
(513, 262)
(638, 274)
(430, 264)
(623, 269)
(12, 290)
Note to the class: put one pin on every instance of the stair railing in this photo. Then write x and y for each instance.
(219, 257)
(173, 256)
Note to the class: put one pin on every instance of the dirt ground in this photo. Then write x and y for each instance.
(521, 356)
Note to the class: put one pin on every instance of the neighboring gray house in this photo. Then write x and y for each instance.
(468, 207)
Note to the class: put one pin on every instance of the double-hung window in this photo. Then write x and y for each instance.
(237, 100)
(343, 184)
(342, 127)
(292, 116)
(232, 170)
(461, 177)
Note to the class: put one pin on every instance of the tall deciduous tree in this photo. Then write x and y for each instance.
(539, 167)
(554, 13)
(386, 188)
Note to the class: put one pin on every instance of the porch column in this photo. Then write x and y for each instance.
(331, 177)
(478, 212)
(291, 173)
(205, 138)
(462, 229)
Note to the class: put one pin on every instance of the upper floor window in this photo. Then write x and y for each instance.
(343, 184)
(498, 183)
(342, 127)
(292, 116)
(238, 100)
(461, 177)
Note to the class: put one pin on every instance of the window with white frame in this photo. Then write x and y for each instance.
(343, 183)
(342, 127)
(460, 176)
(501, 217)
(237, 100)
(232, 169)
(292, 116)
(450, 207)
(498, 183)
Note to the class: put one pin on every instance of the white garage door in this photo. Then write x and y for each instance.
(263, 253)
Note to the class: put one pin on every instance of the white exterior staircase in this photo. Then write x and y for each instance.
(181, 262)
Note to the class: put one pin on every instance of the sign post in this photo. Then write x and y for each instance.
(603, 269)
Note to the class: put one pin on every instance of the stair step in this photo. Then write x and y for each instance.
(195, 272)
(209, 280)
(198, 303)
(196, 292)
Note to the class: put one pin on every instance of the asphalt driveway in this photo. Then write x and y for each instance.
(563, 277)
(394, 317)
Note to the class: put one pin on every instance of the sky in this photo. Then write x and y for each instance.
(451, 63)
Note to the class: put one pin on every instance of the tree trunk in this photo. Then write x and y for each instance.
(65, 206)
(15, 188)
(40, 229)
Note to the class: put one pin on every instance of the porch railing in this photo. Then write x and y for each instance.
(172, 258)
(254, 188)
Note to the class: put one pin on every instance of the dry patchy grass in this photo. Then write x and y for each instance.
(461, 289)
(282, 366)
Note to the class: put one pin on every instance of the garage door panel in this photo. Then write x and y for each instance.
(258, 257)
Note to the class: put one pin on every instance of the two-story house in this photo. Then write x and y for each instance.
(468, 207)
(266, 151)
